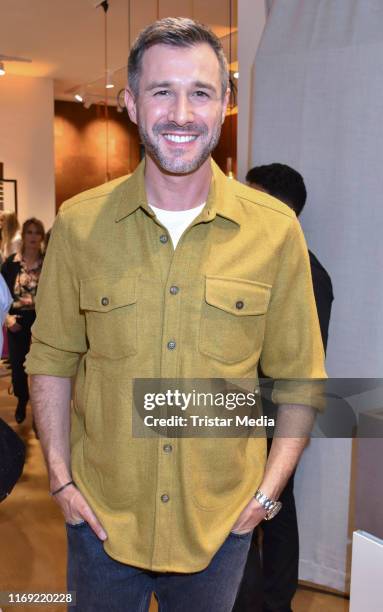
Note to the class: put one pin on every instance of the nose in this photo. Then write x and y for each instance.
(181, 111)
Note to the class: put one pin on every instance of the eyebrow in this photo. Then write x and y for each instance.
(157, 85)
(165, 84)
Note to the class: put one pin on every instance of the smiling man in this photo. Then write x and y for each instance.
(174, 272)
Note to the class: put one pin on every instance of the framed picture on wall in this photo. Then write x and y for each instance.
(8, 194)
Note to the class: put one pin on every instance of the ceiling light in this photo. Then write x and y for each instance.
(236, 75)
(109, 80)
(79, 97)
(2, 69)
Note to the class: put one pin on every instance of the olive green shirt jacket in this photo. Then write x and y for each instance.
(106, 314)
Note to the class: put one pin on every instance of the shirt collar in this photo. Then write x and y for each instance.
(221, 200)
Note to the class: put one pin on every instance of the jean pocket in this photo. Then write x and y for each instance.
(76, 525)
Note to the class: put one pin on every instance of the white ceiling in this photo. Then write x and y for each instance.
(65, 38)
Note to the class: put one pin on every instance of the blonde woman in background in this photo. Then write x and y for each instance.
(21, 272)
(10, 234)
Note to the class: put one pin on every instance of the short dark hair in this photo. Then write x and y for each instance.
(176, 32)
(282, 182)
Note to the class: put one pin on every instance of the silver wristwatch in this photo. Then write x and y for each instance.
(272, 507)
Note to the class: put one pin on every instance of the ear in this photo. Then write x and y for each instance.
(225, 103)
(131, 105)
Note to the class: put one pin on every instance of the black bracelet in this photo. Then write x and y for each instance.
(71, 482)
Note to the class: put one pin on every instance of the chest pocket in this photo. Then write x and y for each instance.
(109, 304)
(233, 318)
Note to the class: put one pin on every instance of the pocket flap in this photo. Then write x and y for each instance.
(106, 293)
(237, 296)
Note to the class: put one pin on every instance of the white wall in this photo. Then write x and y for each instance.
(251, 22)
(26, 143)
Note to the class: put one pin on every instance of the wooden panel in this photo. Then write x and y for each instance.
(227, 146)
(80, 147)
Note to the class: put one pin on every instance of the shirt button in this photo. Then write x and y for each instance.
(165, 498)
(105, 301)
(171, 345)
(164, 238)
(174, 290)
(239, 305)
(167, 448)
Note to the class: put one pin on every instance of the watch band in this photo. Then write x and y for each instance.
(271, 506)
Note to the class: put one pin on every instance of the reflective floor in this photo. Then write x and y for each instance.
(32, 536)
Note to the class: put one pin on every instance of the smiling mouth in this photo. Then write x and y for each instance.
(179, 139)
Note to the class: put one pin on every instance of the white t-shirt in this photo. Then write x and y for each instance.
(176, 221)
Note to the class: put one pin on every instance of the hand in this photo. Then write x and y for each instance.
(249, 518)
(12, 323)
(27, 300)
(76, 509)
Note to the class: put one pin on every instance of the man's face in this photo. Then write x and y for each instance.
(179, 109)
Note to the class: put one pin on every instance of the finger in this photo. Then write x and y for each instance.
(79, 506)
(94, 523)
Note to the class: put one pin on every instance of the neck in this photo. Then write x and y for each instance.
(31, 254)
(176, 191)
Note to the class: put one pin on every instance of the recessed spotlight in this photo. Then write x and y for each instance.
(2, 69)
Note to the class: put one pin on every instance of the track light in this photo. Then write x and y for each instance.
(2, 69)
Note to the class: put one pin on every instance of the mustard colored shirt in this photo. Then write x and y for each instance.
(106, 313)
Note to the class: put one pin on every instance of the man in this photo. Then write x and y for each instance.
(117, 301)
(280, 543)
(286, 184)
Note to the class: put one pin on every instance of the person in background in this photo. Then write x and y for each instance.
(12, 448)
(10, 234)
(5, 302)
(286, 184)
(9, 244)
(280, 547)
(21, 272)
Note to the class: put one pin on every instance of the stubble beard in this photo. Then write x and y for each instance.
(175, 164)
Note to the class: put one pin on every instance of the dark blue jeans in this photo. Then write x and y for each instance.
(106, 585)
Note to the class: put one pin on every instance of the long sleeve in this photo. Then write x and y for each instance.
(58, 334)
(292, 351)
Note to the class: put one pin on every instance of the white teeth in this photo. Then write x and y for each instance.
(175, 138)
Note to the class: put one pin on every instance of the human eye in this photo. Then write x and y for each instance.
(201, 94)
(162, 93)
